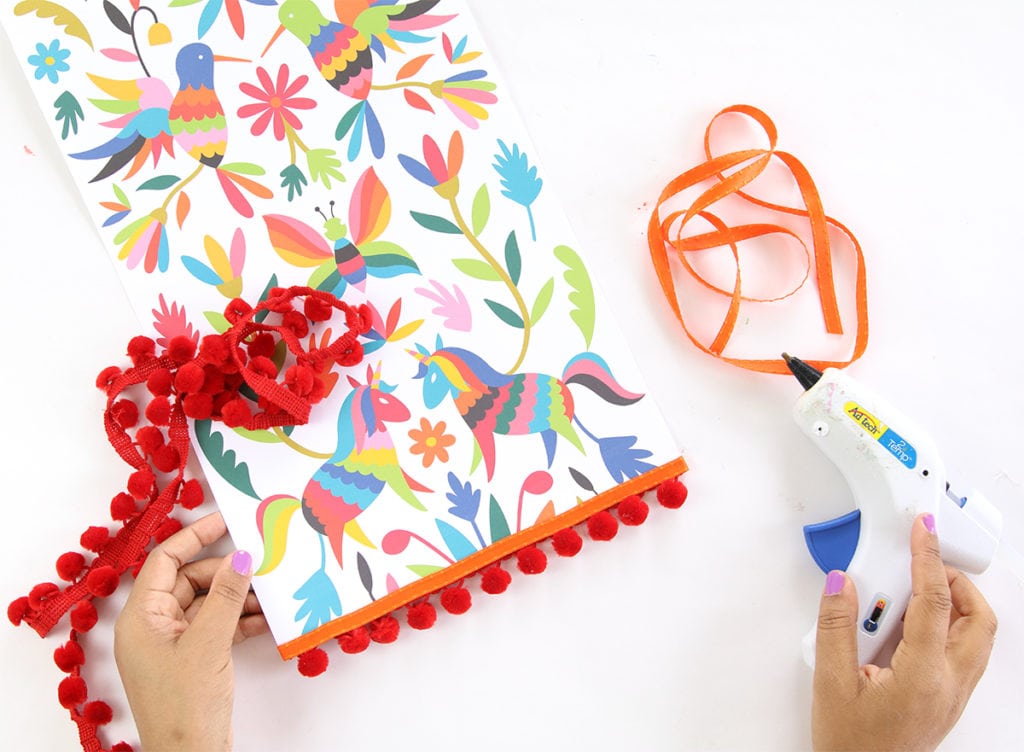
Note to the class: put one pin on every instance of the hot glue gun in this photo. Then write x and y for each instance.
(895, 474)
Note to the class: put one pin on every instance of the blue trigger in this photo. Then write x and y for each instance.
(833, 543)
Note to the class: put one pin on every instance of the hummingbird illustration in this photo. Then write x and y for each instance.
(153, 121)
(342, 50)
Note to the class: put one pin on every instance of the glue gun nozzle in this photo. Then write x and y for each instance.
(806, 374)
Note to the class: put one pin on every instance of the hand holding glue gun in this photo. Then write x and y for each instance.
(890, 550)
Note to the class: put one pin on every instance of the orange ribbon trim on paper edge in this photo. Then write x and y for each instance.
(748, 165)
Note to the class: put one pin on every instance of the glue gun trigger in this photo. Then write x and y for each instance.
(832, 544)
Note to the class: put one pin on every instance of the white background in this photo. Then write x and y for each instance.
(684, 633)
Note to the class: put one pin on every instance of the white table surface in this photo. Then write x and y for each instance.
(684, 633)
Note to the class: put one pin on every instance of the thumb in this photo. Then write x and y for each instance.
(218, 617)
(836, 663)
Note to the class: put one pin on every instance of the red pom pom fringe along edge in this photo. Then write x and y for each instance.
(203, 381)
(175, 376)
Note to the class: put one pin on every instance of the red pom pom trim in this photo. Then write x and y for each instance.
(95, 538)
(633, 510)
(40, 593)
(236, 413)
(456, 600)
(313, 662)
(672, 494)
(125, 412)
(141, 348)
(149, 439)
(69, 656)
(531, 560)
(191, 495)
(107, 376)
(102, 581)
(355, 641)
(384, 630)
(97, 712)
(140, 483)
(567, 542)
(181, 348)
(16, 610)
(602, 526)
(159, 382)
(70, 565)
(72, 691)
(421, 615)
(122, 507)
(83, 616)
(495, 580)
(198, 406)
(167, 528)
(158, 411)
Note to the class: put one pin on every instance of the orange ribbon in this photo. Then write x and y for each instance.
(666, 233)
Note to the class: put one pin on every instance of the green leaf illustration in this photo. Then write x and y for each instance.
(114, 106)
(513, 259)
(258, 318)
(324, 166)
(217, 321)
(182, 3)
(294, 180)
(481, 209)
(69, 112)
(117, 17)
(499, 525)
(435, 223)
(159, 183)
(540, 305)
(582, 295)
(477, 269)
(243, 168)
(121, 195)
(61, 16)
(223, 461)
(422, 570)
(505, 313)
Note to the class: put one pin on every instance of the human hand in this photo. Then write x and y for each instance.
(947, 638)
(172, 641)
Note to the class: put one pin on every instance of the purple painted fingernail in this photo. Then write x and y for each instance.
(241, 562)
(834, 582)
(929, 522)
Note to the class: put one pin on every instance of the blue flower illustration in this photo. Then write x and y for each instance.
(49, 61)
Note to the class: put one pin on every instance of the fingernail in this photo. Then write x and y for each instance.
(834, 582)
(929, 522)
(241, 562)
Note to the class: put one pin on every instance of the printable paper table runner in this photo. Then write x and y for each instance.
(225, 147)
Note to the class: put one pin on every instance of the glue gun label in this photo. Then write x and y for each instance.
(897, 446)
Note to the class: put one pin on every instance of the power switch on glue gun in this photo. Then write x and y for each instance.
(895, 474)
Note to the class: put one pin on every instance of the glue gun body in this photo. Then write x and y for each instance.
(895, 473)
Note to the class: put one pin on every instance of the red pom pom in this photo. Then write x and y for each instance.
(672, 494)
(191, 494)
(16, 610)
(166, 458)
(278, 300)
(140, 483)
(70, 565)
(300, 379)
(158, 411)
(181, 348)
(214, 349)
(236, 413)
(567, 542)
(84, 616)
(495, 580)
(72, 691)
(352, 355)
(602, 526)
(198, 406)
(213, 380)
(189, 378)
(122, 747)
(69, 656)
(159, 382)
(262, 346)
(421, 615)
(318, 392)
(235, 310)
(94, 538)
(41, 593)
(122, 507)
(149, 439)
(107, 376)
(531, 560)
(263, 365)
(313, 662)
(140, 349)
(296, 322)
(384, 630)
(355, 641)
(317, 309)
(102, 581)
(456, 600)
(125, 413)
(167, 528)
(97, 712)
(633, 510)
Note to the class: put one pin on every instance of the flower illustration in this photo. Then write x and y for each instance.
(435, 171)
(223, 272)
(49, 61)
(275, 102)
(145, 240)
(431, 441)
(465, 94)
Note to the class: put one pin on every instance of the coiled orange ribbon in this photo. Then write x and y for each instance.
(665, 233)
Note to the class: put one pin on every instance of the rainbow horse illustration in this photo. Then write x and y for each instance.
(344, 487)
(492, 403)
